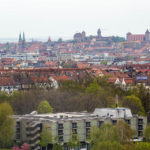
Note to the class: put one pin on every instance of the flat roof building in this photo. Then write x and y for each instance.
(63, 125)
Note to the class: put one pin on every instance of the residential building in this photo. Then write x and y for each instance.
(63, 125)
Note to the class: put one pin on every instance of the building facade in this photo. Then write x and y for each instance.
(139, 37)
(64, 125)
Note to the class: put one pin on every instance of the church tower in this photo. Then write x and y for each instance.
(147, 36)
(23, 41)
(20, 39)
(20, 43)
(83, 35)
(99, 34)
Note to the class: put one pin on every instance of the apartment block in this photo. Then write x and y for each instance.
(63, 125)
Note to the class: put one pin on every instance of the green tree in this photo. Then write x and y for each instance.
(70, 86)
(104, 62)
(94, 88)
(6, 125)
(108, 145)
(74, 141)
(46, 137)
(57, 146)
(142, 146)
(147, 133)
(4, 97)
(44, 107)
(118, 39)
(125, 133)
(107, 132)
(134, 103)
(144, 95)
(60, 40)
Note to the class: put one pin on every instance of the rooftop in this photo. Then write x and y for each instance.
(102, 113)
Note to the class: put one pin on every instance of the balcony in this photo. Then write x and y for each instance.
(128, 122)
(33, 131)
(88, 124)
(60, 132)
(74, 131)
(34, 137)
(60, 138)
(140, 121)
(74, 125)
(100, 123)
(114, 122)
(34, 144)
(60, 126)
(140, 127)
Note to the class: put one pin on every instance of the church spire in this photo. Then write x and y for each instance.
(99, 33)
(24, 37)
(20, 39)
(49, 39)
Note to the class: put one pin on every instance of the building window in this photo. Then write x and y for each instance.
(60, 132)
(128, 122)
(18, 124)
(140, 133)
(60, 138)
(74, 131)
(60, 126)
(74, 125)
(100, 123)
(17, 136)
(88, 124)
(114, 122)
(140, 121)
(18, 130)
(140, 127)
(87, 131)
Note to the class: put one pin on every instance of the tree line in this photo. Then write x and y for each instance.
(83, 95)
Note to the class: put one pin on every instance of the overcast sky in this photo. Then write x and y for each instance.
(62, 18)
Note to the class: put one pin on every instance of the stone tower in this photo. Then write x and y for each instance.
(83, 36)
(23, 41)
(20, 43)
(147, 36)
(99, 34)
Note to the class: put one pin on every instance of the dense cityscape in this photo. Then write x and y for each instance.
(67, 94)
(122, 60)
(74, 75)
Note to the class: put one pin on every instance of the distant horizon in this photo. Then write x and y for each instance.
(65, 38)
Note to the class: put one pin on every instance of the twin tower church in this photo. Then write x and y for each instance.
(21, 42)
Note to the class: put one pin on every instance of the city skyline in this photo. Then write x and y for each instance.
(43, 18)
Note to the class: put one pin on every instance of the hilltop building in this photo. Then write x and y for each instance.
(81, 37)
(139, 37)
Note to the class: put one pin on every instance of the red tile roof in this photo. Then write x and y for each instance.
(50, 64)
(6, 81)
